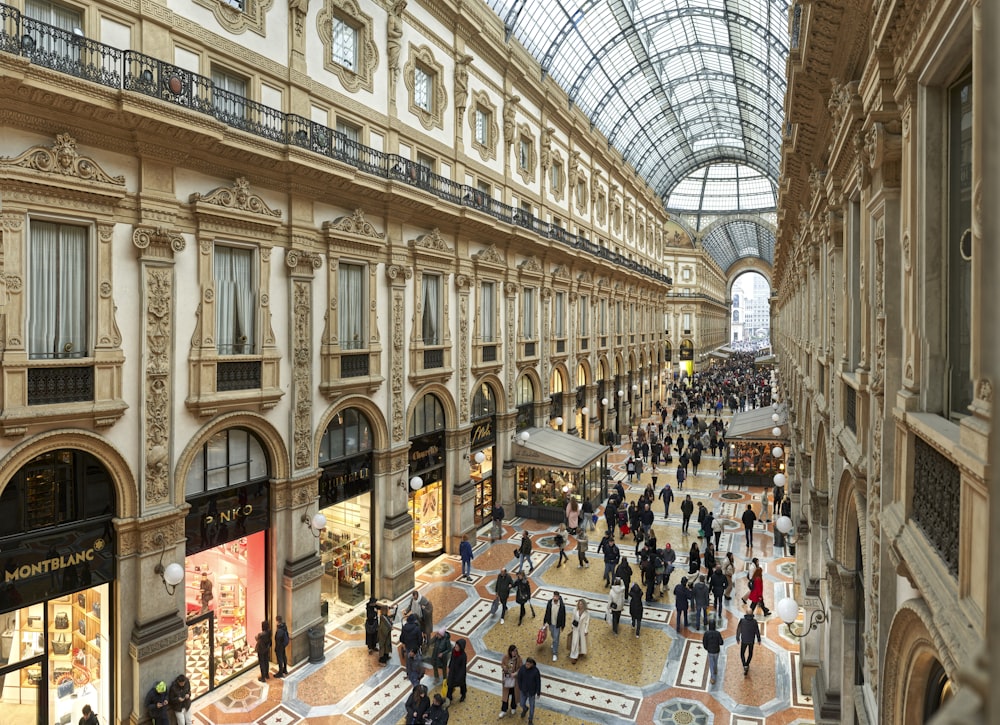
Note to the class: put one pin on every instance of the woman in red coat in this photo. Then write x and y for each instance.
(756, 595)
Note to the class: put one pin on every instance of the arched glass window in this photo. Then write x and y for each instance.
(483, 404)
(348, 434)
(428, 416)
(525, 403)
(231, 457)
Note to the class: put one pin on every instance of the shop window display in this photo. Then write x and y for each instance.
(225, 600)
(425, 508)
(345, 549)
(60, 645)
(482, 476)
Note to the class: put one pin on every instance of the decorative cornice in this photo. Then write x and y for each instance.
(236, 197)
(530, 265)
(490, 255)
(431, 241)
(355, 224)
(62, 158)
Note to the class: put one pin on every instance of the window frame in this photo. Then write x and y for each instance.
(486, 147)
(249, 342)
(362, 76)
(430, 115)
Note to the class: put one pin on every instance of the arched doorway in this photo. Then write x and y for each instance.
(56, 605)
(346, 482)
(226, 565)
(428, 469)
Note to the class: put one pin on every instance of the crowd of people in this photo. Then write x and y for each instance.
(688, 426)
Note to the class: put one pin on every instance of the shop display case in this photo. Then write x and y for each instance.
(347, 564)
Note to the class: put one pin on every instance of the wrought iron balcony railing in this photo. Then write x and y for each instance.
(76, 55)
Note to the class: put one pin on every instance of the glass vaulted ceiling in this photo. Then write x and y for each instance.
(675, 85)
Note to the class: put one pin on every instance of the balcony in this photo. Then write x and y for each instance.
(134, 72)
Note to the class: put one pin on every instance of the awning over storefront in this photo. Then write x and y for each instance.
(555, 449)
(757, 425)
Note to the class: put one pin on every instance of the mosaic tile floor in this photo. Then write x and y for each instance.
(660, 677)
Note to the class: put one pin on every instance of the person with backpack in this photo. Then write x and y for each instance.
(712, 642)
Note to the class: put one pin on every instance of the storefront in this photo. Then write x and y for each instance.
(748, 458)
(482, 448)
(551, 467)
(226, 569)
(345, 499)
(56, 608)
(428, 468)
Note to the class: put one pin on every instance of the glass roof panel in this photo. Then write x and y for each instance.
(677, 86)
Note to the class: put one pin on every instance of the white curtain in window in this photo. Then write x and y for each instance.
(351, 306)
(431, 310)
(528, 323)
(560, 314)
(235, 304)
(487, 321)
(57, 306)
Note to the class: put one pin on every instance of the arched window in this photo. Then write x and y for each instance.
(483, 404)
(428, 416)
(348, 434)
(525, 403)
(231, 457)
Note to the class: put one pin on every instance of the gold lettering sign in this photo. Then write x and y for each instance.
(228, 515)
(55, 563)
(481, 432)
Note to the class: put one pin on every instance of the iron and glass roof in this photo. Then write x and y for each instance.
(677, 86)
(733, 240)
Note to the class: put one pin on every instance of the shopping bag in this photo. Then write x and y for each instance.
(542, 634)
(626, 530)
(444, 689)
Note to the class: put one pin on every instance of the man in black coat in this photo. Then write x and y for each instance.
(747, 634)
(281, 640)
(503, 586)
(457, 670)
(717, 582)
(529, 684)
(635, 607)
(712, 642)
(555, 618)
(749, 519)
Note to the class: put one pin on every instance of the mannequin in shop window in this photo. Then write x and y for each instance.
(206, 592)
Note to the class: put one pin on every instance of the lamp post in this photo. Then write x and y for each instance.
(788, 611)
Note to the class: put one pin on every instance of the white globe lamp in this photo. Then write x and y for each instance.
(779, 479)
(585, 411)
(559, 421)
(783, 524)
(318, 522)
(525, 435)
(777, 452)
(604, 402)
(776, 432)
(480, 457)
(416, 483)
(788, 610)
(775, 417)
(173, 574)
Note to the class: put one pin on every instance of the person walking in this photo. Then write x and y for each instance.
(417, 705)
(560, 538)
(682, 596)
(529, 683)
(384, 635)
(756, 595)
(522, 595)
(624, 572)
(503, 586)
(158, 704)
(681, 476)
(646, 519)
(708, 558)
(496, 531)
(281, 640)
(179, 695)
(611, 556)
(712, 642)
(572, 515)
(765, 507)
(411, 642)
(580, 632)
(581, 547)
(263, 650)
(687, 508)
(630, 468)
(510, 665)
(525, 553)
(749, 519)
(440, 653)
(555, 618)
(729, 569)
(465, 553)
(616, 603)
(457, 671)
(747, 635)
(666, 495)
(700, 596)
(717, 527)
(635, 607)
(717, 583)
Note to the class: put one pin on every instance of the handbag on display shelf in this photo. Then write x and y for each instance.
(97, 609)
(65, 687)
(34, 675)
(81, 626)
(61, 645)
(62, 620)
(81, 600)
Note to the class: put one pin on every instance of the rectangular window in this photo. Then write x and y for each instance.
(524, 154)
(228, 95)
(687, 323)
(352, 306)
(482, 127)
(604, 317)
(487, 312)
(422, 89)
(235, 300)
(348, 140)
(584, 317)
(345, 44)
(560, 315)
(619, 322)
(959, 255)
(528, 313)
(555, 177)
(65, 19)
(57, 291)
(430, 296)
(350, 131)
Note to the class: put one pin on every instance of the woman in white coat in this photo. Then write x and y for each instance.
(581, 630)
